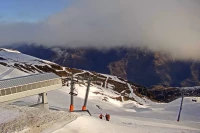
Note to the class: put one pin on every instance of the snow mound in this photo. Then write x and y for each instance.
(28, 119)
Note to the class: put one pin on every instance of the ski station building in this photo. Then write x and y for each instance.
(36, 84)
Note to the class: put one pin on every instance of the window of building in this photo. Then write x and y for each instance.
(29, 87)
(39, 85)
(43, 84)
(19, 89)
(13, 90)
(34, 85)
(8, 91)
(2, 92)
(55, 81)
(48, 83)
(24, 88)
(52, 82)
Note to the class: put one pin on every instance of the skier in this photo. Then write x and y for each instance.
(101, 116)
(107, 117)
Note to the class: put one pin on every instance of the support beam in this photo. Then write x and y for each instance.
(179, 114)
(86, 95)
(71, 109)
(44, 98)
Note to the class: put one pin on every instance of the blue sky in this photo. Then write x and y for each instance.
(30, 10)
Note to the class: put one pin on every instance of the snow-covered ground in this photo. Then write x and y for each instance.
(125, 117)
(85, 124)
(24, 119)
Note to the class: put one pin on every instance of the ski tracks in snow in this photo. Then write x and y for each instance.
(132, 94)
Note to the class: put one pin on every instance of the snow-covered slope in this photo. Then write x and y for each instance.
(155, 118)
(127, 116)
(85, 124)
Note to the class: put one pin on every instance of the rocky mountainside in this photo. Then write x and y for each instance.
(168, 94)
(136, 65)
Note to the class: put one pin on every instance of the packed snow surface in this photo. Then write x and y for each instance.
(128, 117)
(85, 124)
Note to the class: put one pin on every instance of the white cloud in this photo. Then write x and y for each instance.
(172, 26)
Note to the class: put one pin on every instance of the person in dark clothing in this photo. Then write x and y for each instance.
(101, 116)
(107, 117)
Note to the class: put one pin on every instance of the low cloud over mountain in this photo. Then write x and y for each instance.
(171, 26)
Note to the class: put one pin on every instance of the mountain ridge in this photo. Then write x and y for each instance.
(136, 65)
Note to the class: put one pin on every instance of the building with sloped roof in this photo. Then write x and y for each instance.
(20, 87)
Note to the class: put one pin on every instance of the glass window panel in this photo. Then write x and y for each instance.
(34, 86)
(43, 84)
(29, 87)
(46, 83)
(8, 91)
(13, 90)
(39, 85)
(3, 92)
(50, 82)
(19, 89)
(55, 81)
(24, 88)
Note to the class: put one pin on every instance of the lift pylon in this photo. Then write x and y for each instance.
(72, 93)
(86, 94)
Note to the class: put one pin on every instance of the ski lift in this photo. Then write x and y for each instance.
(74, 93)
(67, 84)
(194, 100)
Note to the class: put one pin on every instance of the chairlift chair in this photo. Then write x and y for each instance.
(194, 99)
(74, 93)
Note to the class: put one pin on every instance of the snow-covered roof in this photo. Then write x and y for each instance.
(17, 81)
